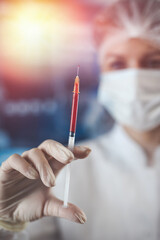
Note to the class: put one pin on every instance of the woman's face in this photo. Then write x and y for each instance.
(131, 53)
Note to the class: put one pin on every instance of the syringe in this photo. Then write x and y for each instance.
(71, 140)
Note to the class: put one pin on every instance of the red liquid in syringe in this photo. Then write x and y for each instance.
(75, 101)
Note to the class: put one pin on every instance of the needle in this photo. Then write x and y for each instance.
(78, 70)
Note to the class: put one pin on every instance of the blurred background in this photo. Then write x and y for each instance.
(41, 44)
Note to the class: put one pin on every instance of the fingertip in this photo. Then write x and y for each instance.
(88, 151)
(47, 176)
(70, 159)
(81, 151)
(56, 150)
(65, 155)
(80, 217)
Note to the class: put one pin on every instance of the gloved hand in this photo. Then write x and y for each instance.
(26, 181)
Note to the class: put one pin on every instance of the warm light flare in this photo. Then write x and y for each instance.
(28, 32)
(38, 36)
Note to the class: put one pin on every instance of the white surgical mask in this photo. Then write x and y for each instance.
(132, 97)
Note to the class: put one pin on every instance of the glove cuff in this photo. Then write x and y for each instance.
(12, 226)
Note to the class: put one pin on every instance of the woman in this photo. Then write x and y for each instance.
(118, 184)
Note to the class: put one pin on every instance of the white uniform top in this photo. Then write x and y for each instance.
(116, 189)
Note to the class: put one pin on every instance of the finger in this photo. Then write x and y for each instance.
(54, 207)
(19, 164)
(81, 152)
(57, 151)
(37, 158)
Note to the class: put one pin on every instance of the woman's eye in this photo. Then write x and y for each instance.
(117, 65)
(153, 64)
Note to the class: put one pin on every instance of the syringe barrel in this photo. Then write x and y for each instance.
(74, 112)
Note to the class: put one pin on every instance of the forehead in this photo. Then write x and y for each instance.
(130, 47)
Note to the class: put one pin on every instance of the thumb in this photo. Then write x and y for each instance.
(81, 152)
(54, 207)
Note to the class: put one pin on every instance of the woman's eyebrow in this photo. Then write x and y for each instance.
(153, 54)
(110, 55)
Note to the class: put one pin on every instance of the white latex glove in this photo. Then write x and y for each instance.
(26, 181)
